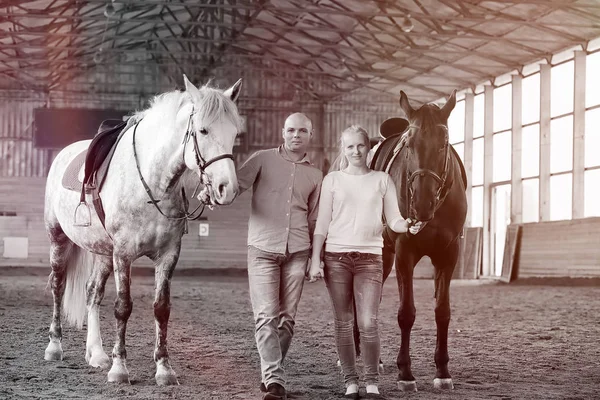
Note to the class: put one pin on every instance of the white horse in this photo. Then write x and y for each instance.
(187, 134)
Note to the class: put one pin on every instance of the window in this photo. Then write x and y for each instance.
(478, 115)
(561, 192)
(476, 206)
(530, 151)
(592, 193)
(531, 200)
(592, 79)
(592, 137)
(477, 162)
(561, 144)
(531, 99)
(456, 123)
(502, 108)
(562, 83)
(502, 161)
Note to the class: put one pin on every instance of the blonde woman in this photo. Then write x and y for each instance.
(353, 201)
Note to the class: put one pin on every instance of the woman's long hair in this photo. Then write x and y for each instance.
(341, 161)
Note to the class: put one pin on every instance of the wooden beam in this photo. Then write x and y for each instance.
(516, 188)
(488, 165)
(579, 136)
(468, 148)
(545, 86)
(451, 35)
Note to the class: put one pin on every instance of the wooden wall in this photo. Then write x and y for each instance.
(25, 197)
(224, 247)
(548, 249)
(560, 249)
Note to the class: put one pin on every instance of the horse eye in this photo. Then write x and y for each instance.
(204, 131)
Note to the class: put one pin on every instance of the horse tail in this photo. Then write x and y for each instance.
(79, 268)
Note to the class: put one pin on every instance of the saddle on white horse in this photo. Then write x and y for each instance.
(87, 172)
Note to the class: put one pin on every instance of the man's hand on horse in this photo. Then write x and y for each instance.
(204, 197)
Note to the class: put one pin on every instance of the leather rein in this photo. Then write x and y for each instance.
(200, 162)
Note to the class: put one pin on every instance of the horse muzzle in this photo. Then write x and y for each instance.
(223, 193)
(422, 214)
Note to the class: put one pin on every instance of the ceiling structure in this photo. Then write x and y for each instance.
(323, 48)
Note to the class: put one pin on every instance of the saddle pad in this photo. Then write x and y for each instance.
(388, 153)
(73, 176)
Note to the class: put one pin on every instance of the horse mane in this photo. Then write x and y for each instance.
(211, 106)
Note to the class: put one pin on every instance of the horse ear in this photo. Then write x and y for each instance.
(405, 105)
(189, 86)
(449, 106)
(234, 92)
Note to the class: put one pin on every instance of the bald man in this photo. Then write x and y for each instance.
(286, 188)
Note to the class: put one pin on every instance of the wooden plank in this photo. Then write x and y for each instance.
(469, 259)
(511, 249)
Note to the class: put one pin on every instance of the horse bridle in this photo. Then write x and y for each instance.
(440, 179)
(200, 162)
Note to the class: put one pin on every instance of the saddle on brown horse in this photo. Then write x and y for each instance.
(393, 130)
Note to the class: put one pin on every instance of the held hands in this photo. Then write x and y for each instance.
(315, 271)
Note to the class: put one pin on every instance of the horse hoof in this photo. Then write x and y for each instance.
(166, 379)
(407, 386)
(164, 374)
(118, 373)
(53, 352)
(99, 360)
(443, 383)
(118, 377)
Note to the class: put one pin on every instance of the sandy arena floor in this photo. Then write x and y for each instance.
(506, 342)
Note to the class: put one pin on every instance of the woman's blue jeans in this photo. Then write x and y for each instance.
(357, 277)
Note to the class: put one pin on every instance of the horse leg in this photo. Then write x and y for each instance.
(388, 261)
(95, 355)
(162, 310)
(444, 267)
(405, 263)
(60, 250)
(123, 306)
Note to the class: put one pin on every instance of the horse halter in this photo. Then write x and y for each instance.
(200, 162)
(440, 179)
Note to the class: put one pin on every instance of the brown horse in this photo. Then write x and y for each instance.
(431, 186)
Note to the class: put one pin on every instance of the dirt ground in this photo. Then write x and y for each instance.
(505, 341)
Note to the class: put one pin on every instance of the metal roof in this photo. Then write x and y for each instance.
(321, 48)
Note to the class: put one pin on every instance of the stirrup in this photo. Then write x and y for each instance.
(85, 216)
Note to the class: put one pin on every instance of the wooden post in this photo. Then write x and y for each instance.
(579, 136)
(516, 187)
(468, 148)
(545, 142)
(488, 150)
